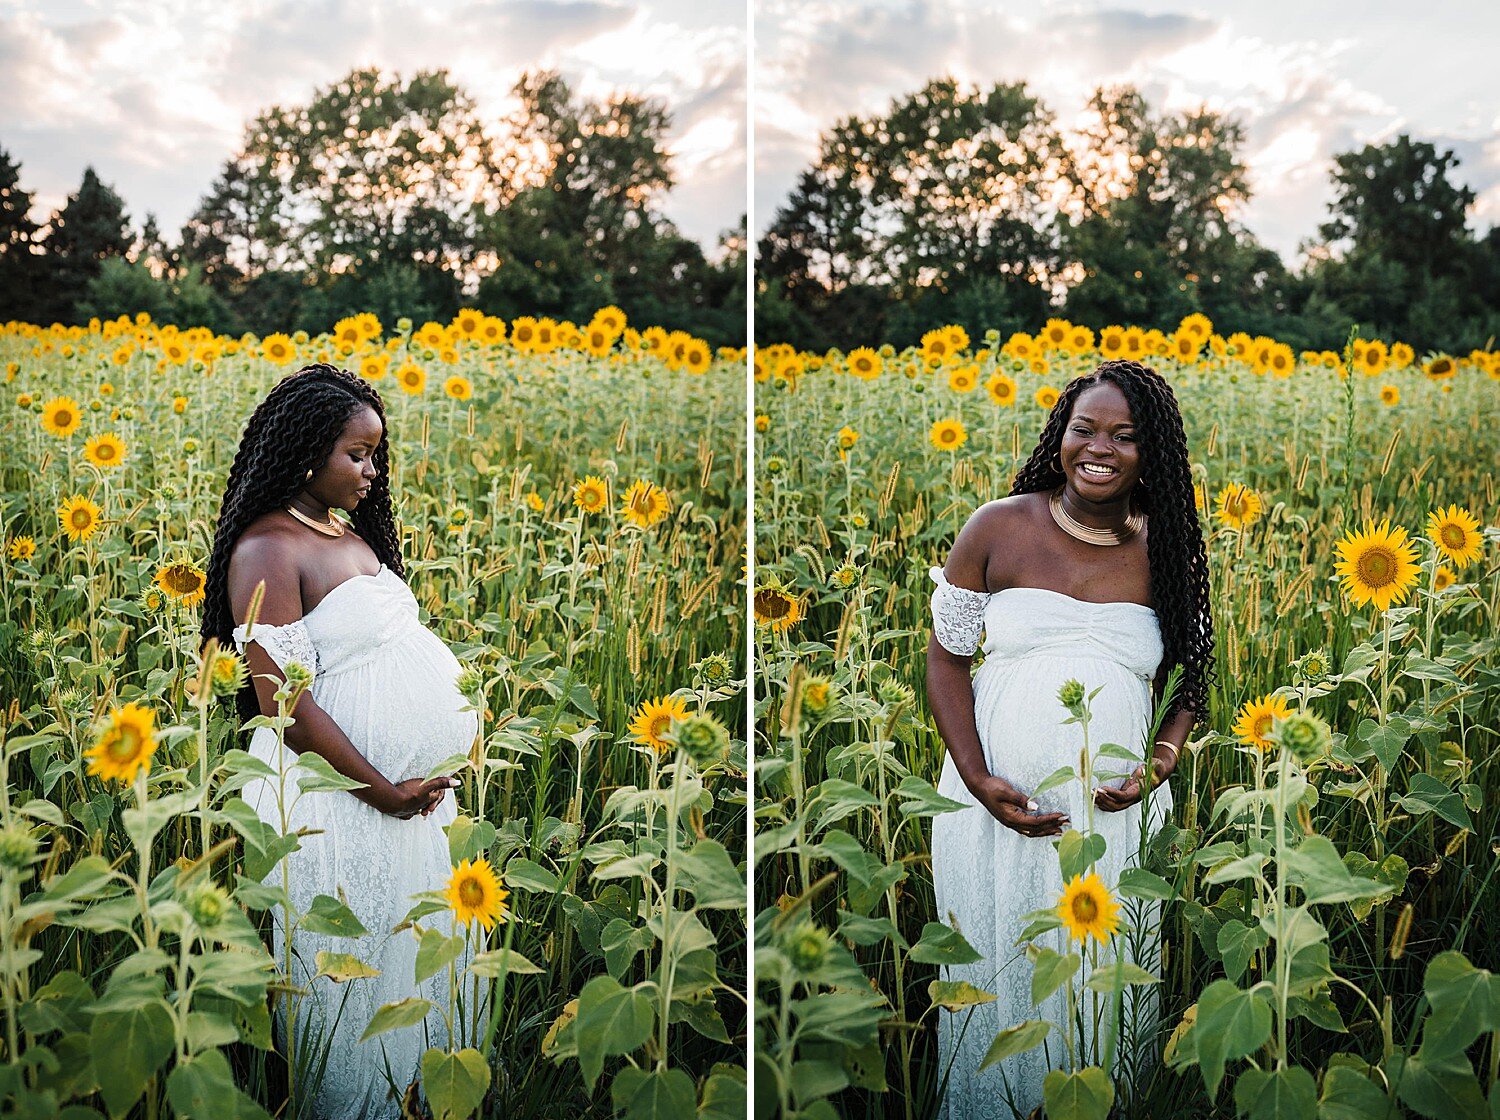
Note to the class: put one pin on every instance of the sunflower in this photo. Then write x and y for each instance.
(696, 356)
(183, 581)
(458, 388)
(1237, 506)
(947, 435)
(535, 502)
(1440, 367)
(476, 893)
(865, 363)
(1046, 396)
(1443, 578)
(372, 367)
(1390, 395)
(125, 745)
(1378, 565)
(278, 349)
(964, 379)
(61, 416)
(1088, 909)
(105, 451)
(645, 503)
(1455, 531)
(1256, 717)
(79, 517)
(653, 719)
(762, 422)
(591, 494)
(776, 607)
(21, 548)
(467, 322)
(1002, 390)
(412, 378)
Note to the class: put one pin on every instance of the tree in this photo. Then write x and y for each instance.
(21, 272)
(89, 229)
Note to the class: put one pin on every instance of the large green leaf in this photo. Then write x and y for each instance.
(611, 1020)
(955, 995)
(1465, 1004)
(1051, 970)
(454, 1083)
(1440, 1087)
(1425, 794)
(1016, 1040)
(129, 1046)
(1231, 1023)
(435, 952)
(203, 1088)
(327, 915)
(403, 1013)
(1350, 1095)
(1279, 1094)
(656, 1094)
(1316, 867)
(713, 878)
(941, 945)
(1085, 1095)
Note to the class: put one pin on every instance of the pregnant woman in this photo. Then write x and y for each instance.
(1092, 569)
(383, 709)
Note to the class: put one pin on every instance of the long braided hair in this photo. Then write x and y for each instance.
(291, 432)
(1164, 492)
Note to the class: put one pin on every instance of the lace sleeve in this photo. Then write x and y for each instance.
(283, 644)
(957, 615)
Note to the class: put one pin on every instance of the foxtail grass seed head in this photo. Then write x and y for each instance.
(1402, 931)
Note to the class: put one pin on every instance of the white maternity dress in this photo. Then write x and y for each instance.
(988, 876)
(390, 685)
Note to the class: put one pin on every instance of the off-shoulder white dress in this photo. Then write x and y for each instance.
(986, 875)
(390, 685)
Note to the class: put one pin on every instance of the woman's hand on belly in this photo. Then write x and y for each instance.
(1008, 805)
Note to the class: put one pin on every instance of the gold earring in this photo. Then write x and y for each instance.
(308, 475)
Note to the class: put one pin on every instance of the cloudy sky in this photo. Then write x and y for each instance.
(1307, 78)
(155, 93)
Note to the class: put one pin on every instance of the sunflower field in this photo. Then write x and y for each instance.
(572, 502)
(1325, 891)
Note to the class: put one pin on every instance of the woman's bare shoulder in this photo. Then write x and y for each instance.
(1004, 514)
(265, 550)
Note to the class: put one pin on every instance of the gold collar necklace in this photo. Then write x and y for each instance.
(1087, 533)
(332, 528)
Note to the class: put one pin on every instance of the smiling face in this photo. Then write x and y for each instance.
(345, 476)
(1101, 459)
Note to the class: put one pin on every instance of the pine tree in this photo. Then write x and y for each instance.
(21, 273)
(90, 228)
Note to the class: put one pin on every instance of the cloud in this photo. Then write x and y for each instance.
(1302, 95)
(171, 83)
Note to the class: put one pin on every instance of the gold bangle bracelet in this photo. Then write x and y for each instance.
(1170, 746)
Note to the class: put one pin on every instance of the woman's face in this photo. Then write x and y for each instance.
(345, 476)
(1100, 457)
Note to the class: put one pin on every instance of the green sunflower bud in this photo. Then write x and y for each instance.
(18, 849)
(807, 948)
(702, 738)
(1305, 735)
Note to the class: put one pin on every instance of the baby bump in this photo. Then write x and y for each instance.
(403, 710)
(1021, 725)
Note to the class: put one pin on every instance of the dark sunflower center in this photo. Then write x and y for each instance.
(1453, 536)
(81, 518)
(471, 891)
(1377, 567)
(771, 604)
(125, 745)
(1085, 909)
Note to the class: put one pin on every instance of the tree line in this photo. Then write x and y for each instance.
(397, 197)
(970, 206)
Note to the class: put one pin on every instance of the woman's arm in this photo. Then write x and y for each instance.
(950, 695)
(314, 730)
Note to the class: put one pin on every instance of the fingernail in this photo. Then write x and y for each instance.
(1031, 805)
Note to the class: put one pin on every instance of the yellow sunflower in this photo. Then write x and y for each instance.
(591, 494)
(1377, 564)
(1443, 578)
(696, 356)
(776, 607)
(476, 893)
(79, 517)
(1237, 506)
(1046, 396)
(125, 745)
(183, 581)
(1440, 367)
(105, 451)
(653, 719)
(1088, 909)
(865, 363)
(277, 349)
(21, 548)
(1002, 390)
(947, 435)
(412, 378)
(1253, 727)
(61, 416)
(964, 379)
(645, 503)
(1455, 531)
(458, 388)
(1390, 395)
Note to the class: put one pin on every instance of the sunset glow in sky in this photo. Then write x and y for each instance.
(155, 93)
